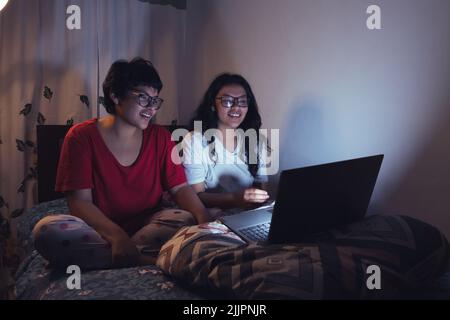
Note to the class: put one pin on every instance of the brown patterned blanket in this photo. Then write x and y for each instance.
(406, 253)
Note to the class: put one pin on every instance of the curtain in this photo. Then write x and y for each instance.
(53, 75)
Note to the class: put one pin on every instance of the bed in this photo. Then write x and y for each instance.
(209, 261)
(35, 281)
(201, 262)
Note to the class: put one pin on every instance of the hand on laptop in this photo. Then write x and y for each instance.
(251, 196)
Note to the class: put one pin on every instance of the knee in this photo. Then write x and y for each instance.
(51, 225)
(49, 231)
(44, 229)
(182, 217)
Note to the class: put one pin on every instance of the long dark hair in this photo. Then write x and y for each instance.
(208, 116)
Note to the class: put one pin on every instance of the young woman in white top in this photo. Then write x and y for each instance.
(225, 169)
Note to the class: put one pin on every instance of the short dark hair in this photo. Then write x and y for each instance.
(123, 76)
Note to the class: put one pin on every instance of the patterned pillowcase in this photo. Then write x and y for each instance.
(409, 253)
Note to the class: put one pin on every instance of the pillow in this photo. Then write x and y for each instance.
(329, 265)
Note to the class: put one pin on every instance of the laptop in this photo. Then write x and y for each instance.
(310, 200)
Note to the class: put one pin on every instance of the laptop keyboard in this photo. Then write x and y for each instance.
(257, 232)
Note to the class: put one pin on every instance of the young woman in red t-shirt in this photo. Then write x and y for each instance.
(114, 171)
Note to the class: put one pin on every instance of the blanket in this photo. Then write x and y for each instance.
(380, 257)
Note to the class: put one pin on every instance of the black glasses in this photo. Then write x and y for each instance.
(228, 102)
(145, 101)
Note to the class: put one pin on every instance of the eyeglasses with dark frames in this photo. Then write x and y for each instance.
(228, 101)
(146, 101)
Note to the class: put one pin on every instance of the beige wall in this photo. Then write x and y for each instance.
(337, 90)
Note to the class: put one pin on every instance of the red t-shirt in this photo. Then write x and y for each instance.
(124, 194)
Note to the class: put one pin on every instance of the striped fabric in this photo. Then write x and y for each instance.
(329, 265)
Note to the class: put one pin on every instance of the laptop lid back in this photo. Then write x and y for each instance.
(321, 197)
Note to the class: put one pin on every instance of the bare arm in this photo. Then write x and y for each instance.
(227, 200)
(187, 199)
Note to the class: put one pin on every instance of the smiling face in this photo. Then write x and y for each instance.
(130, 111)
(230, 118)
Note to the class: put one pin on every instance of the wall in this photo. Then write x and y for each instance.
(337, 90)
